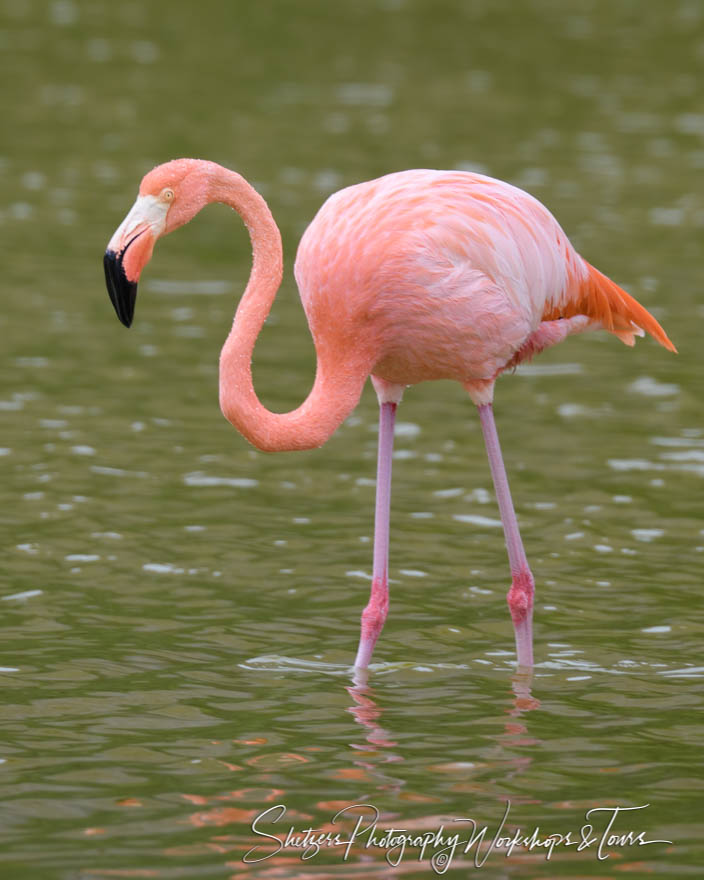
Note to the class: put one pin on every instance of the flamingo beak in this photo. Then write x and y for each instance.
(128, 252)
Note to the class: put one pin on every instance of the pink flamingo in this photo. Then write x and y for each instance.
(416, 275)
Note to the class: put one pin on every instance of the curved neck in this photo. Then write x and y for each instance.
(338, 385)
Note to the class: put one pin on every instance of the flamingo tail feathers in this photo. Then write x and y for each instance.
(604, 301)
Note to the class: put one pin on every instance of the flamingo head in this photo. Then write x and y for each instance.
(169, 196)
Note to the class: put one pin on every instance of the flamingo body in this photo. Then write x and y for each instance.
(442, 275)
(415, 276)
(422, 264)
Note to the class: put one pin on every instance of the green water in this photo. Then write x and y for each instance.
(180, 611)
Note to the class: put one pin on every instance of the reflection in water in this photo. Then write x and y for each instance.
(366, 712)
(523, 702)
(516, 731)
(233, 813)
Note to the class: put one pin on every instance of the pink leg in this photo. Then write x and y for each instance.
(374, 614)
(520, 596)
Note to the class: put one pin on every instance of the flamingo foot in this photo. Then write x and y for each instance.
(520, 603)
(373, 619)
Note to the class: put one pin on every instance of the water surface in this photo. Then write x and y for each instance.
(180, 611)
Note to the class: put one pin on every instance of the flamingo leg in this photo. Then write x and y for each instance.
(374, 615)
(520, 596)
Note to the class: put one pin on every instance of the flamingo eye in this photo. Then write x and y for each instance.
(167, 195)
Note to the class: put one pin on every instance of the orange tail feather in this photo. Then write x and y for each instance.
(601, 299)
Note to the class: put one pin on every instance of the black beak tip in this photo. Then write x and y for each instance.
(122, 291)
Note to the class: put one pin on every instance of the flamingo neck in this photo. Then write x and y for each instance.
(337, 387)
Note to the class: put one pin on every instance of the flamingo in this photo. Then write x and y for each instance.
(414, 276)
